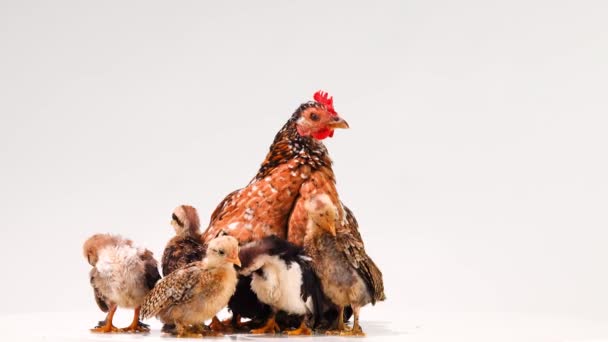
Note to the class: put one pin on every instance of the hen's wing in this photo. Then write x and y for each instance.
(99, 298)
(222, 209)
(348, 236)
(219, 210)
(178, 287)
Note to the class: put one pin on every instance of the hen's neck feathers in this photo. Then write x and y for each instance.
(289, 144)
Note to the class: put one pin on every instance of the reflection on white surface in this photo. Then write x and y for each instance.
(408, 326)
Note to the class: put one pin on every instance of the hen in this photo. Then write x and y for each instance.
(296, 169)
(296, 166)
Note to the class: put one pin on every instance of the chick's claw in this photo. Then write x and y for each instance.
(271, 327)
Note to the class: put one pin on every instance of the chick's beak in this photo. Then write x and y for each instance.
(337, 122)
(235, 259)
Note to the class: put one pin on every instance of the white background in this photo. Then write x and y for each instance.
(475, 163)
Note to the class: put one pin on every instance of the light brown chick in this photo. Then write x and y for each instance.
(348, 275)
(122, 276)
(197, 292)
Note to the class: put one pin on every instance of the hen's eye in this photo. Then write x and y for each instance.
(314, 117)
(220, 252)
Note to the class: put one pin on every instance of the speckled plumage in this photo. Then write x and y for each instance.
(196, 292)
(264, 207)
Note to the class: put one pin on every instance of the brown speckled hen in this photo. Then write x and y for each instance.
(192, 294)
(348, 275)
(272, 202)
(122, 275)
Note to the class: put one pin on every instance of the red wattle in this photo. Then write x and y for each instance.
(324, 133)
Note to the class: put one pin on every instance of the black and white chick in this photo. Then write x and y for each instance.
(245, 304)
(282, 277)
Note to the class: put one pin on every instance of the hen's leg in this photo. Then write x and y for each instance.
(136, 325)
(356, 330)
(271, 327)
(107, 327)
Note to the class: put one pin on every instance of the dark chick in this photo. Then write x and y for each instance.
(245, 304)
(282, 277)
(186, 246)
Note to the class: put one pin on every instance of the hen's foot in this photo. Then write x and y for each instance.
(271, 327)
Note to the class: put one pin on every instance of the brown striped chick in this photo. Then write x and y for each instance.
(122, 276)
(198, 291)
(348, 275)
(186, 246)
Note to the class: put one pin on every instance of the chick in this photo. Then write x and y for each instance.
(282, 277)
(198, 291)
(348, 275)
(122, 275)
(185, 247)
(245, 304)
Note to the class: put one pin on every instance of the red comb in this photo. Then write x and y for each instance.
(324, 99)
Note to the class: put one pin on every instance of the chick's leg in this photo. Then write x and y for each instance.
(218, 326)
(185, 331)
(356, 330)
(302, 330)
(108, 327)
(271, 327)
(339, 327)
(136, 325)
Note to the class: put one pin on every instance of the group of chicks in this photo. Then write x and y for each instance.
(283, 251)
(200, 280)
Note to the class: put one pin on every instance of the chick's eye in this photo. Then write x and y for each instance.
(314, 117)
(220, 252)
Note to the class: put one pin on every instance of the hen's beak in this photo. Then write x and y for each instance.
(235, 260)
(337, 122)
